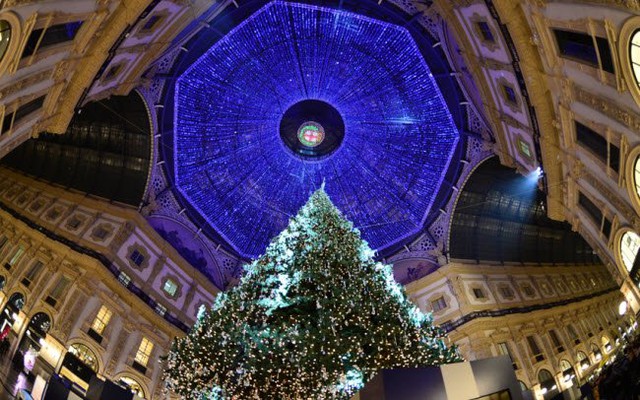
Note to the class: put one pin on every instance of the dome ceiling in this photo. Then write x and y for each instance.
(297, 95)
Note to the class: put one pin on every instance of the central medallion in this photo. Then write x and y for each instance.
(312, 129)
(311, 134)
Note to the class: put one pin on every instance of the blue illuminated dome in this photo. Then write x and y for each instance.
(246, 175)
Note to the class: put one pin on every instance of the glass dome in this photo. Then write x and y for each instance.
(245, 176)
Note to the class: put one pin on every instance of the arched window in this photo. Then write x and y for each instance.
(36, 332)
(11, 310)
(133, 385)
(629, 246)
(583, 360)
(546, 380)
(16, 302)
(567, 371)
(596, 352)
(84, 354)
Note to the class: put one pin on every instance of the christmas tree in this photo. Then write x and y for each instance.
(314, 318)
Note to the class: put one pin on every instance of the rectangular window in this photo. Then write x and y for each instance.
(556, 341)
(52, 35)
(24, 110)
(102, 320)
(151, 22)
(101, 232)
(479, 293)
(509, 94)
(60, 287)
(573, 335)
(124, 279)
(485, 31)
(506, 292)
(524, 148)
(170, 287)
(606, 227)
(606, 61)
(112, 72)
(581, 47)
(592, 210)
(438, 304)
(32, 274)
(137, 258)
(608, 153)
(144, 352)
(535, 350)
(160, 309)
(595, 213)
(16, 257)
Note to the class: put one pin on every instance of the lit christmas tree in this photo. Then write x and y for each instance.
(314, 318)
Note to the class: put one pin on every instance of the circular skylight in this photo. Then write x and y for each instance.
(246, 163)
(312, 129)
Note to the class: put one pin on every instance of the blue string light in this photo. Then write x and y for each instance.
(232, 165)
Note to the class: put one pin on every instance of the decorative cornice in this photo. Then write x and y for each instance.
(606, 106)
(627, 5)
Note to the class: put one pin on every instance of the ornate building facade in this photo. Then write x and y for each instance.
(111, 275)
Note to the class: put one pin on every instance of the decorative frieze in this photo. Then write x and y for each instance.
(607, 107)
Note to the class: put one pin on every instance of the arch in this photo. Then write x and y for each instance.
(11, 308)
(626, 247)
(628, 38)
(35, 333)
(597, 354)
(583, 360)
(85, 354)
(568, 372)
(17, 300)
(8, 51)
(606, 343)
(131, 382)
(565, 365)
(546, 380)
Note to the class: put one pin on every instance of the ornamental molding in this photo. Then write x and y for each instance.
(21, 84)
(625, 209)
(607, 107)
(633, 5)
